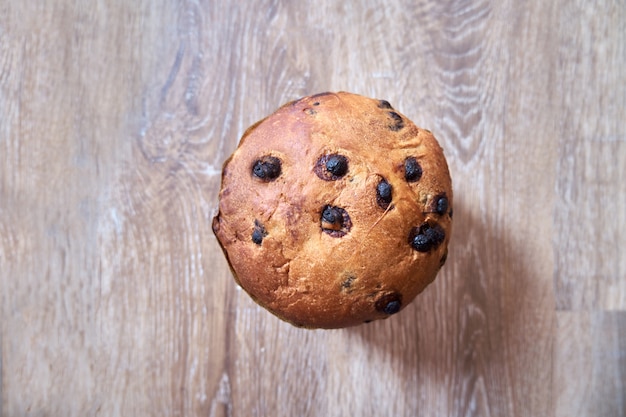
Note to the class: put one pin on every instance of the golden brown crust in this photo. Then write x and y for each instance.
(334, 244)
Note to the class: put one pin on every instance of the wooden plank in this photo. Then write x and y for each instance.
(590, 364)
(107, 301)
(589, 215)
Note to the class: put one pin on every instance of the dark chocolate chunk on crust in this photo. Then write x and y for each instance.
(442, 204)
(267, 168)
(258, 233)
(426, 237)
(397, 121)
(438, 204)
(335, 221)
(331, 167)
(412, 169)
(326, 93)
(383, 194)
(384, 104)
(389, 303)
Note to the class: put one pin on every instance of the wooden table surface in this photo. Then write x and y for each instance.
(115, 119)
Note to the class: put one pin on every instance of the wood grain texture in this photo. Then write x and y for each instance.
(589, 211)
(115, 118)
(590, 371)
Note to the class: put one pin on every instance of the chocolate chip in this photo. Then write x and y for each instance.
(327, 93)
(331, 215)
(267, 168)
(258, 233)
(442, 204)
(257, 236)
(392, 307)
(335, 221)
(383, 194)
(438, 204)
(384, 104)
(398, 122)
(217, 220)
(331, 167)
(389, 303)
(317, 103)
(412, 169)
(337, 165)
(426, 237)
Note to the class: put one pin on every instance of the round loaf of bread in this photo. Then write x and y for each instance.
(335, 210)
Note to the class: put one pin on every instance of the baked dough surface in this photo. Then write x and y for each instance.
(335, 210)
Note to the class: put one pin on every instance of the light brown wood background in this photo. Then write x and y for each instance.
(115, 118)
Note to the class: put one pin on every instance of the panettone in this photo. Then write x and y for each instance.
(335, 210)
